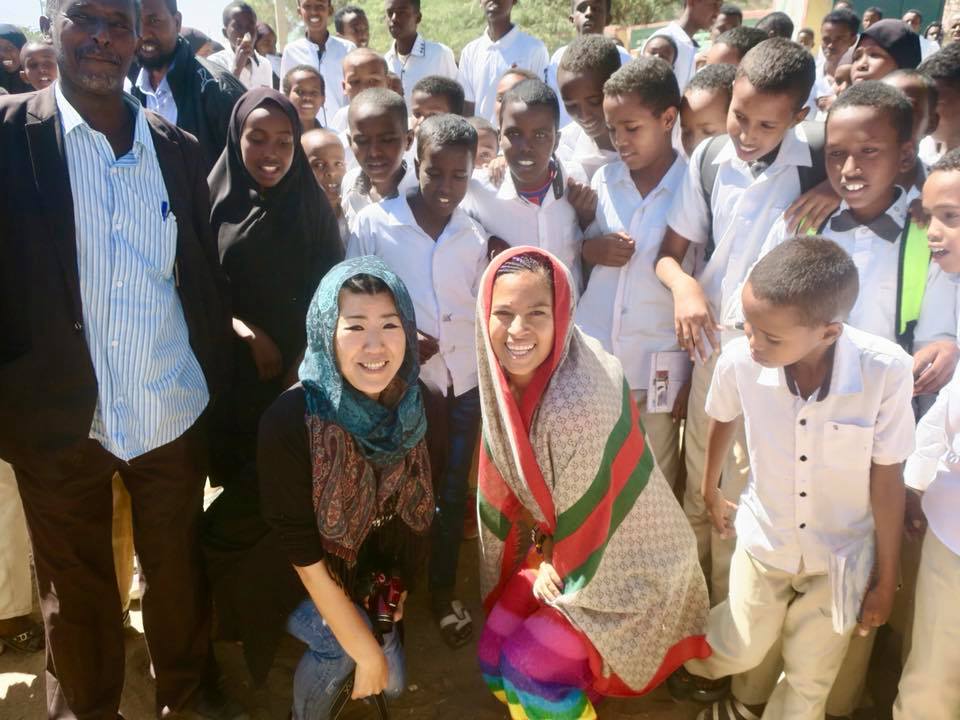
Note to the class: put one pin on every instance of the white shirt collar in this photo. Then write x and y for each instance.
(794, 151)
(897, 211)
(419, 48)
(144, 86)
(401, 215)
(846, 377)
(70, 119)
(620, 173)
(506, 40)
(508, 191)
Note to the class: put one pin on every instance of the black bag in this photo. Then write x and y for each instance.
(343, 697)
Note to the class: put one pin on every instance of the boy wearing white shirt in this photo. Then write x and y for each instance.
(241, 59)
(411, 56)
(624, 306)
(322, 50)
(363, 69)
(542, 201)
(829, 422)
(440, 253)
(483, 61)
(697, 15)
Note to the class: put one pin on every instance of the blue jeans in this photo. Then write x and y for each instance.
(325, 664)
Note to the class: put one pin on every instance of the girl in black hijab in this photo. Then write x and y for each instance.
(11, 42)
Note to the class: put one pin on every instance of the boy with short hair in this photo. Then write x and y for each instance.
(703, 109)
(379, 137)
(502, 46)
(38, 65)
(776, 24)
(325, 154)
(838, 37)
(757, 176)
(730, 47)
(304, 87)
(806, 37)
(944, 68)
(241, 59)
(488, 142)
(829, 422)
(623, 305)
(697, 15)
(871, 15)
(589, 62)
(542, 201)
(363, 68)
(435, 95)
(411, 56)
(321, 50)
(440, 253)
(351, 24)
(729, 17)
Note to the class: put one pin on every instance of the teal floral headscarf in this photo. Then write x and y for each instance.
(384, 434)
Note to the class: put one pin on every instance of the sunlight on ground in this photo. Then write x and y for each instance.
(9, 679)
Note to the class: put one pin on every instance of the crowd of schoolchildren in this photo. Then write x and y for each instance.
(765, 236)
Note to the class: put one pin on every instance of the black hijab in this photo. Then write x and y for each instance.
(276, 243)
(896, 38)
(12, 82)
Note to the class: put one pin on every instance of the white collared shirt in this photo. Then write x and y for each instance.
(626, 308)
(878, 262)
(161, 100)
(354, 198)
(743, 210)
(483, 61)
(304, 52)
(552, 226)
(565, 119)
(425, 58)
(927, 47)
(257, 73)
(442, 275)
(934, 467)
(808, 494)
(578, 147)
(686, 63)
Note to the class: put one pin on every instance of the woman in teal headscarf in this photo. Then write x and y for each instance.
(345, 479)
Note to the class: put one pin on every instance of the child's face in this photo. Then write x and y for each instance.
(948, 110)
(306, 94)
(266, 145)
(941, 202)
(266, 44)
(356, 29)
(582, 96)
(325, 154)
(589, 16)
(528, 138)
(640, 136)
(660, 47)
(315, 15)
(402, 19)
(869, 18)
(9, 56)
(488, 147)
(871, 62)
(39, 67)
(916, 93)
(362, 73)
(777, 335)
(806, 39)
(864, 157)
(703, 114)
(842, 77)
(497, 11)
(444, 174)
(378, 139)
(757, 121)
(835, 40)
(503, 87)
(240, 24)
(423, 105)
(722, 54)
(723, 23)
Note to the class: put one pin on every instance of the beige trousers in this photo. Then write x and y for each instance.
(714, 552)
(766, 605)
(122, 540)
(16, 586)
(930, 686)
(663, 434)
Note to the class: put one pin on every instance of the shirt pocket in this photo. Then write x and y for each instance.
(160, 238)
(846, 445)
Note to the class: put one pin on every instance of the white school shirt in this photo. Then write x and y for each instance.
(257, 73)
(355, 195)
(686, 63)
(626, 308)
(927, 47)
(934, 467)
(565, 119)
(877, 261)
(743, 210)
(578, 147)
(483, 61)
(442, 276)
(161, 100)
(552, 226)
(808, 494)
(304, 52)
(426, 58)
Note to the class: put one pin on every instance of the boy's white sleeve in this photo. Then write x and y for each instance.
(362, 240)
(931, 443)
(723, 399)
(733, 313)
(540, 61)
(894, 429)
(447, 65)
(465, 73)
(689, 214)
(938, 311)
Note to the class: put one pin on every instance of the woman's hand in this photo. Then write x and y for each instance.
(548, 585)
(372, 674)
(266, 354)
(398, 613)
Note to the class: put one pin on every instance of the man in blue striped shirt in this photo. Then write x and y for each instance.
(112, 329)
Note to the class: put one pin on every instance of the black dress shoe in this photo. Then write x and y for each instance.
(211, 704)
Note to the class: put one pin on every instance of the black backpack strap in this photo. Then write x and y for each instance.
(816, 173)
(708, 178)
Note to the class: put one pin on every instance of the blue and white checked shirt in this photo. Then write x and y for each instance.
(151, 387)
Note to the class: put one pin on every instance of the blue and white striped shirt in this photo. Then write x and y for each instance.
(151, 388)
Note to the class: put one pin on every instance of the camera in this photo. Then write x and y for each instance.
(383, 600)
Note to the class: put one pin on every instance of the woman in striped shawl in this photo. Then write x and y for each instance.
(589, 569)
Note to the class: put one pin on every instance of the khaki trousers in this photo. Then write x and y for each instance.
(714, 552)
(930, 686)
(663, 434)
(766, 605)
(16, 587)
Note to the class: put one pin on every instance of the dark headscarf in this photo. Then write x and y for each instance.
(12, 82)
(12, 34)
(195, 38)
(277, 243)
(896, 38)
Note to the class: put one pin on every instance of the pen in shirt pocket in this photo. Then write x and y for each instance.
(164, 210)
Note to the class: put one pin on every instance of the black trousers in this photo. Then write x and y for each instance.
(69, 519)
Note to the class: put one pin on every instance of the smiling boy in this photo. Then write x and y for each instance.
(38, 65)
(305, 88)
(412, 56)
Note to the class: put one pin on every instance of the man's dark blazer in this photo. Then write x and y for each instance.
(48, 387)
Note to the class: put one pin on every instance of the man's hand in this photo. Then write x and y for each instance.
(876, 608)
(584, 201)
(548, 585)
(611, 250)
(693, 318)
(427, 346)
(243, 54)
(933, 366)
(721, 513)
(811, 210)
(914, 521)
